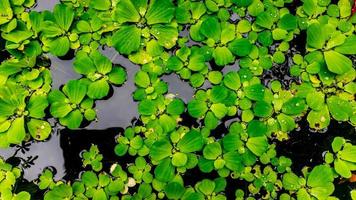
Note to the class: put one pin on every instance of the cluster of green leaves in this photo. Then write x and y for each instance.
(9, 177)
(196, 40)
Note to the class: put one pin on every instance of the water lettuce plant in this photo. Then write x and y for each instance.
(260, 71)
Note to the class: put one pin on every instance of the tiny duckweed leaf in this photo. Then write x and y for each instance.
(98, 89)
(258, 145)
(160, 11)
(337, 63)
(191, 141)
(127, 39)
(39, 129)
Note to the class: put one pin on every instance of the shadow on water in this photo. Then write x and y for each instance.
(73, 142)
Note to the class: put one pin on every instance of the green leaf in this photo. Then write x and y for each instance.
(83, 64)
(348, 153)
(219, 110)
(263, 109)
(256, 128)
(102, 63)
(100, 195)
(191, 142)
(59, 46)
(39, 129)
(242, 3)
(291, 181)
(100, 4)
(16, 36)
(90, 179)
(22, 196)
(6, 13)
(72, 120)
(340, 109)
(337, 144)
(233, 161)
(348, 47)
(218, 94)
(294, 106)
(174, 190)
(309, 7)
(210, 28)
(146, 107)
(264, 20)
(127, 39)
(320, 176)
(212, 151)
(37, 105)
(60, 109)
(176, 107)
(255, 92)
(16, 133)
(160, 11)
(315, 36)
(288, 22)
(315, 100)
(258, 145)
(75, 90)
(117, 75)
(232, 80)
(98, 89)
(142, 79)
(167, 123)
(286, 122)
(345, 8)
(166, 35)
(223, 56)
(59, 192)
(341, 168)
(197, 108)
(126, 12)
(179, 159)
(164, 171)
(161, 149)
(63, 15)
(337, 63)
(240, 47)
(206, 187)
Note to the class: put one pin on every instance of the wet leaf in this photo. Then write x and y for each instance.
(39, 129)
